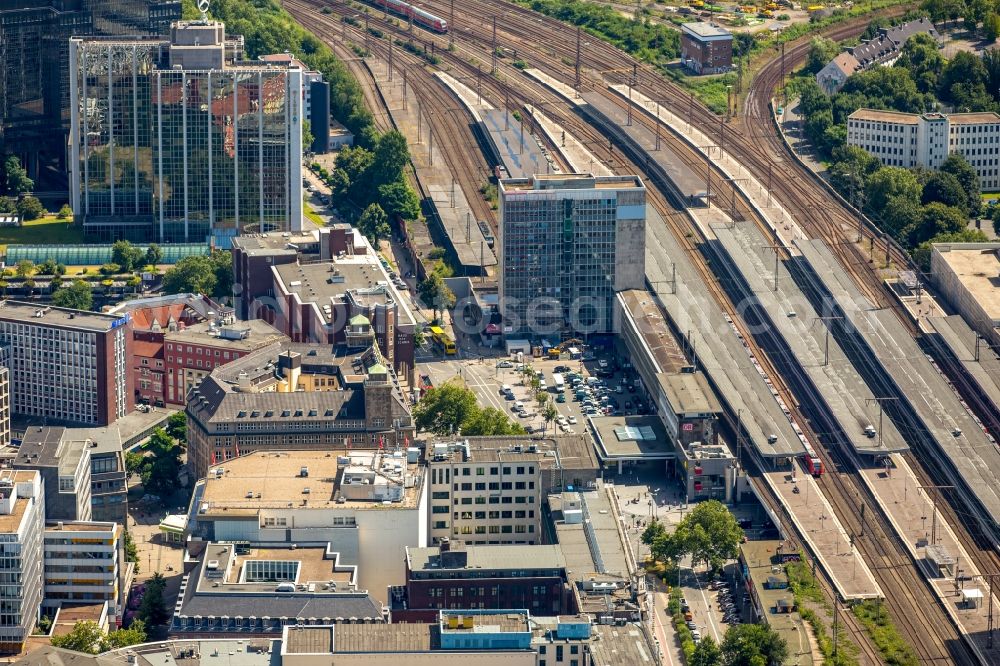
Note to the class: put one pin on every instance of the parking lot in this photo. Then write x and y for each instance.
(487, 377)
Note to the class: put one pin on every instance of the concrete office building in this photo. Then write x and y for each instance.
(55, 449)
(706, 48)
(315, 101)
(177, 140)
(926, 140)
(367, 505)
(296, 397)
(490, 490)
(64, 465)
(34, 69)
(85, 563)
(67, 365)
(311, 286)
(569, 242)
(22, 520)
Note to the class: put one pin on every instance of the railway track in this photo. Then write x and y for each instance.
(887, 558)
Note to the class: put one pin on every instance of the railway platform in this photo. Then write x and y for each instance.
(439, 184)
(975, 372)
(835, 386)
(760, 194)
(567, 91)
(932, 543)
(575, 155)
(952, 441)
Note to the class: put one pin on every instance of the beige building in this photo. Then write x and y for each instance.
(490, 490)
(22, 517)
(367, 505)
(910, 140)
(967, 275)
(85, 563)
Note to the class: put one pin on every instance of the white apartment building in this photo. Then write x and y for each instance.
(22, 519)
(490, 490)
(910, 140)
(85, 562)
(367, 505)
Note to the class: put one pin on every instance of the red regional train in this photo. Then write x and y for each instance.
(408, 11)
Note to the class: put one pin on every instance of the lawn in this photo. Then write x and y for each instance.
(43, 231)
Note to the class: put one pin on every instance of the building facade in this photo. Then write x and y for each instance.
(490, 490)
(965, 274)
(706, 48)
(85, 562)
(179, 141)
(311, 286)
(22, 522)
(67, 365)
(925, 140)
(295, 396)
(453, 575)
(34, 68)
(569, 243)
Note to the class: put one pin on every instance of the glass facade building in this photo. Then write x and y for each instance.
(176, 141)
(569, 243)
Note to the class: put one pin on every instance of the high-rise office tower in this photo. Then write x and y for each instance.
(569, 242)
(180, 141)
(34, 69)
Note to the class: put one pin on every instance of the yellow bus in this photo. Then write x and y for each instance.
(443, 340)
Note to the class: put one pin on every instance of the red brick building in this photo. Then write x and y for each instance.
(454, 575)
(706, 48)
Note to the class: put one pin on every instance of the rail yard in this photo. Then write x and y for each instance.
(798, 367)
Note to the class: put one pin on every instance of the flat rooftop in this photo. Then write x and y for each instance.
(977, 266)
(521, 154)
(705, 29)
(765, 572)
(80, 526)
(71, 613)
(570, 181)
(488, 558)
(651, 324)
(277, 243)
(630, 437)
(326, 282)
(567, 451)
(11, 522)
(619, 646)
(689, 393)
(240, 335)
(960, 340)
(35, 314)
(885, 116)
(236, 573)
(263, 480)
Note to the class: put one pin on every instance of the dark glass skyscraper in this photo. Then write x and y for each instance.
(34, 69)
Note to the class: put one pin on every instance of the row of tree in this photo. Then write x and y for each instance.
(452, 408)
(742, 645)
(211, 275)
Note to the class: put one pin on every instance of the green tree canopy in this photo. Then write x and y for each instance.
(821, 51)
(491, 422)
(30, 208)
(177, 426)
(706, 653)
(890, 182)
(709, 534)
(452, 408)
(154, 254)
(374, 223)
(195, 274)
(753, 645)
(963, 83)
(126, 255)
(435, 293)
(16, 180)
(398, 198)
(944, 188)
(86, 636)
(922, 57)
(152, 608)
(77, 296)
(956, 165)
(162, 467)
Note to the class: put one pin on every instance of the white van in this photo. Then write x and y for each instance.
(518, 406)
(285, 587)
(505, 389)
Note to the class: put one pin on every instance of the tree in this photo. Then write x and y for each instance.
(435, 293)
(921, 56)
(398, 198)
(654, 532)
(64, 213)
(7, 205)
(821, 51)
(890, 182)
(963, 82)
(119, 638)
(944, 188)
(391, 157)
(991, 27)
(709, 534)
(991, 63)
(753, 645)
(134, 462)
(956, 165)
(154, 254)
(16, 179)
(47, 267)
(152, 609)
(76, 296)
(126, 255)
(195, 274)
(937, 219)
(25, 268)
(550, 414)
(374, 223)
(706, 653)
(86, 636)
(445, 408)
(491, 422)
(160, 473)
(222, 265)
(177, 426)
(901, 215)
(30, 208)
